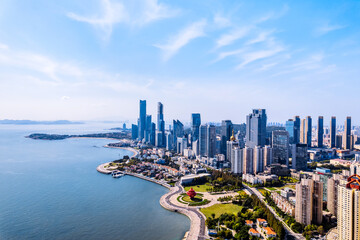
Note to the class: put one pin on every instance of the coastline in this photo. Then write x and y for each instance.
(133, 150)
(193, 215)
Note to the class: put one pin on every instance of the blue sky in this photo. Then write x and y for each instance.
(94, 59)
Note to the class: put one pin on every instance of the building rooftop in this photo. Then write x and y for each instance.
(269, 231)
(254, 231)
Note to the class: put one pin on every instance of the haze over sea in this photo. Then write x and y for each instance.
(51, 190)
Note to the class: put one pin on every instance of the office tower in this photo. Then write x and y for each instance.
(333, 132)
(148, 128)
(347, 134)
(258, 165)
(152, 134)
(178, 130)
(323, 175)
(248, 160)
(202, 140)
(290, 128)
(256, 128)
(339, 141)
(142, 119)
(296, 129)
(211, 141)
(160, 133)
(299, 156)
(320, 132)
(195, 125)
(169, 141)
(349, 209)
(229, 146)
(280, 145)
(308, 131)
(134, 132)
(308, 208)
(332, 194)
(302, 131)
(268, 156)
(226, 132)
(181, 144)
(237, 156)
(195, 147)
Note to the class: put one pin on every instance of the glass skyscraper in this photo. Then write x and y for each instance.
(256, 128)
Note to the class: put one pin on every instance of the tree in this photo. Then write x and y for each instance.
(320, 230)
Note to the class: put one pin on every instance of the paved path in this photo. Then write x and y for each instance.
(197, 228)
(290, 233)
(101, 169)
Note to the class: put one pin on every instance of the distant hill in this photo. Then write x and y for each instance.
(30, 122)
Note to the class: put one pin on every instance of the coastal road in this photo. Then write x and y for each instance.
(289, 232)
(197, 228)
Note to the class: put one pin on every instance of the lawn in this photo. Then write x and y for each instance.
(272, 188)
(219, 209)
(198, 188)
(262, 191)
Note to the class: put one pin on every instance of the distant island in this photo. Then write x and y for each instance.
(31, 122)
(112, 135)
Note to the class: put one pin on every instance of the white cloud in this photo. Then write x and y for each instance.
(135, 13)
(257, 55)
(223, 55)
(64, 98)
(3, 46)
(263, 36)
(328, 28)
(175, 43)
(221, 21)
(232, 36)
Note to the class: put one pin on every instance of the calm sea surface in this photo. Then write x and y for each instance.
(51, 190)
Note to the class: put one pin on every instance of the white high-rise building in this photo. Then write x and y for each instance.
(237, 156)
(349, 209)
(258, 164)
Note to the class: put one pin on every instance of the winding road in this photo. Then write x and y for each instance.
(197, 228)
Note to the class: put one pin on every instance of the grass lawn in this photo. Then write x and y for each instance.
(198, 188)
(196, 199)
(272, 188)
(219, 209)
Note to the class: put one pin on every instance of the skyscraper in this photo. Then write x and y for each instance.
(178, 130)
(148, 128)
(195, 125)
(237, 156)
(320, 132)
(349, 209)
(268, 156)
(258, 164)
(256, 128)
(299, 156)
(142, 119)
(302, 131)
(160, 135)
(332, 194)
(308, 131)
(226, 132)
(280, 145)
(290, 128)
(248, 160)
(333, 132)
(134, 131)
(296, 129)
(211, 141)
(309, 196)
(202, 140)
(347, 134)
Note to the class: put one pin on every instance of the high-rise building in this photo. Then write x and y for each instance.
(195, 125)
(134, 131)
(308, 208)
(169, 141)
(268, 156)
(248, 160)
(160, 134)
(256, 128)
(202, 140)
(299, 156)
(332, 194)
(347, 134)
(142, 119)
(290, 128)
(229, 146)
(258, 164)
(308, 131)
(280, 145)
(320, 132)
(349, 209)
(148, 128)
(178, 130)
(333, 132)
(302, 131)
(226, 132)
(296, 129)
(211, 141)
(237, 156)
(152, 134)
(339, 141)
(181, 144)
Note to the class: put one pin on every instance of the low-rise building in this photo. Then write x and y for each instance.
(261, 222)
(249, 223)
(269, 232)
(283, 204)
(254, 232)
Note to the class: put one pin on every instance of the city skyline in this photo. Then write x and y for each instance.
(102, 54)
